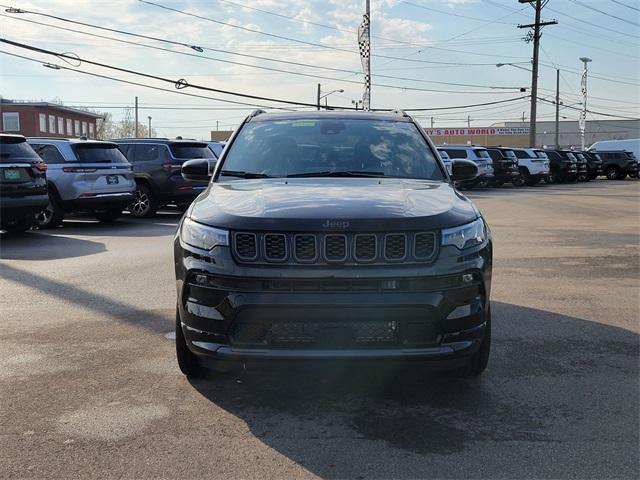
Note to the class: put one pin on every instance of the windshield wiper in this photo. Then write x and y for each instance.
(343, 173)
(241, 174)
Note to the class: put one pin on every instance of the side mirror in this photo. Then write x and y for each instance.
(196, 170)
(464, 170)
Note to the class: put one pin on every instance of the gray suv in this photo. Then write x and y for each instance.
(84, 175)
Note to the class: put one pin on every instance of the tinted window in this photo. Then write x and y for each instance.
(521, 154)
(145, 153)
(509, 154)
(456, 153)
(495, 154)
(307, 146)
(542, 154)
(49, 153)
(443, 154)
(98, 153)
(481, 153)
(191, 150)
(16, 148)
(570, 156)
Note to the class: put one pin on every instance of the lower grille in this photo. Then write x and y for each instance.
(323, 334)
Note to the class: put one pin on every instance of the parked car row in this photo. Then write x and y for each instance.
(528, 166)
(43, 179)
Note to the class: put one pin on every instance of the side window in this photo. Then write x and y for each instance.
(145, 153)
(127, 151)
(49, 153)
(456, 153)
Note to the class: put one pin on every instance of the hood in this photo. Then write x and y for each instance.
(332, 204)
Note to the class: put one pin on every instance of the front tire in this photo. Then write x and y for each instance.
(144, 205)
(52, 215)
(187, 360)
(612, 173)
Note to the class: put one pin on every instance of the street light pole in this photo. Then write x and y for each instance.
(149, 126)
(318, 97)
(583, 115)
(557, 139)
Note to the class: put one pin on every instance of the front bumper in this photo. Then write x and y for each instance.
(293, 314)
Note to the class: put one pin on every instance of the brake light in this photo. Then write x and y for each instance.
(78, 170)
(171, 166)
(41, 166)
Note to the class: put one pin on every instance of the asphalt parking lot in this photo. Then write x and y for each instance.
(89, 386)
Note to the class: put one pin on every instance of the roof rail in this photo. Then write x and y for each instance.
(399, 111)
(256, 112)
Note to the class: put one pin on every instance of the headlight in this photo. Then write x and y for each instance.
(200, 236)
(465, 236)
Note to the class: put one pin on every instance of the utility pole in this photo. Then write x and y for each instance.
(534, 71)
(583, 114)
(136, 125)
(318, 97)
(149, 126)
(468, 121)
(557, 139)
(431, 122)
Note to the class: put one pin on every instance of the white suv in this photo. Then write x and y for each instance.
(476, 154)
(533, 165)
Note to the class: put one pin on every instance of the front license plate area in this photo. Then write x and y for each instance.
(112, 179)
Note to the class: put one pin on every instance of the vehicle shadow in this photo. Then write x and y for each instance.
(158, 321)
(36, 245)
(558, 384)
(163, 223)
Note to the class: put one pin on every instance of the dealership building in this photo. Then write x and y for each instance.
(45, 119)
(516, 134)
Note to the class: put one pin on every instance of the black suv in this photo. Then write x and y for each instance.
(617, 164)
(23, 184)
(594, 164)
(505, 166)
(332, 236)
(563, 166)
(156, 165)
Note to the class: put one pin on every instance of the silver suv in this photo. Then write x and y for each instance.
(477, 154)
(84, 175)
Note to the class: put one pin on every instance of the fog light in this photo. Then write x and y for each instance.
(467, 278)
(201, 279)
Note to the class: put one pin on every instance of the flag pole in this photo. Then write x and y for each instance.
(368, 72)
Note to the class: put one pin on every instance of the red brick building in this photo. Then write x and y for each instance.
(44, 119)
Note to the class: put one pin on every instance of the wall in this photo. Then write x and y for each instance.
(220, 135)
(30, 121)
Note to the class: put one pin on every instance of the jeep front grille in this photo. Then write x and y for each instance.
(334, 248)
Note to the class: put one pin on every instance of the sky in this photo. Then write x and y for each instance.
(425, 54)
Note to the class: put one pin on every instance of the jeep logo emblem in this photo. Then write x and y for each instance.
(341, 224)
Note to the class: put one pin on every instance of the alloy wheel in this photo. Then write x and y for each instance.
(141, 204)
(45, 215)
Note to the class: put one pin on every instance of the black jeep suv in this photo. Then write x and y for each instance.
(617, 164)
(23, 186)
(332, 236)
(563, 166)
(505, 166)
(156, 164)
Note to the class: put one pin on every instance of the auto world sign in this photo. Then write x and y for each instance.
(467, 132)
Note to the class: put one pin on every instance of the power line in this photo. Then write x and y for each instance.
(590, 7)
(262, 67)
(61, 67)
(452, 14)
(591, 111)
(625, 5)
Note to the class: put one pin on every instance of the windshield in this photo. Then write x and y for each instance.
(481, 153)
(99, 153)
(510, 154)
(191, 150)
(16, 148)
(322, 147)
